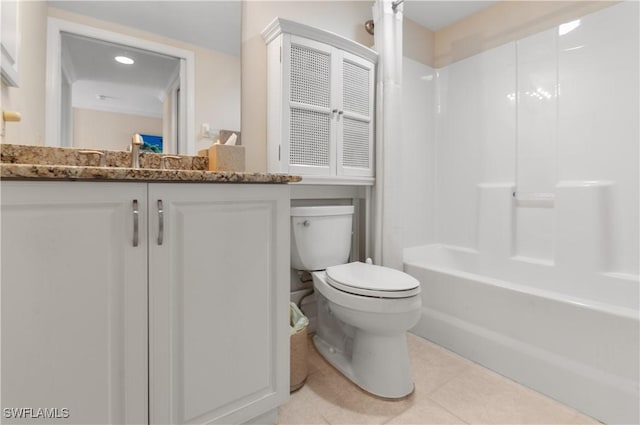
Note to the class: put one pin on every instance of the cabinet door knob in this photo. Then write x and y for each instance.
(160, 222)
(136, 213)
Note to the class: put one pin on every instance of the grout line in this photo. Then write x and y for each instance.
(462, 371)
(427, 397)
(447, 410)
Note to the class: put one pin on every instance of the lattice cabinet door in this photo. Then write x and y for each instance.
(320, 105)
(354, 142)
(309, 91)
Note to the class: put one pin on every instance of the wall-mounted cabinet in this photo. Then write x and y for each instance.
(132, 303)
(321, 91)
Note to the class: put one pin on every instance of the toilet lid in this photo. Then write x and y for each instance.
(373, 281)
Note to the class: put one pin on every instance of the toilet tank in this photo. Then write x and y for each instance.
(320, 236)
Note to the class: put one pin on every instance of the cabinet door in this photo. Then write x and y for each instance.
(74, 303)
(309, 111)
(355, 119)
(219, 335)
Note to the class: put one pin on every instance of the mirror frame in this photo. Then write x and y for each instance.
(53, 107)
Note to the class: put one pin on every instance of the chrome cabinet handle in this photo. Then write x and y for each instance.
(136, 214)
(160, 222)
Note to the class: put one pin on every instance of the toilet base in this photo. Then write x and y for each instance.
(377, 364)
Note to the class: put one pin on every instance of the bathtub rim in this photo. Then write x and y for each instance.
(593, 305)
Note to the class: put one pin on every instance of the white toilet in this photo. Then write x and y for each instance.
(364, 310)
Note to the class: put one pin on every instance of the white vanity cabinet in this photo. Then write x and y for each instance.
(320, 104)
(74, 302)
(219, 310)
(201, 302)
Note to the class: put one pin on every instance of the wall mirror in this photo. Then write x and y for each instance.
(159, 68)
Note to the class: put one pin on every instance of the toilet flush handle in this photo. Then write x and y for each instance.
(306, 223)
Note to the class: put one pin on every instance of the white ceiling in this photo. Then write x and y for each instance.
(214, 25)
(211, 24)
(436, 15)
(135, 89)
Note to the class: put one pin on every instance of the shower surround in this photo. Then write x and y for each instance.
(525, 234)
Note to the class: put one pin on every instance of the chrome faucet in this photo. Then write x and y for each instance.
(136, 142)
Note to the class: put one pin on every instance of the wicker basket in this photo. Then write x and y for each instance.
(298, 359)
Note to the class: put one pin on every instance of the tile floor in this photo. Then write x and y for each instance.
(448, 390)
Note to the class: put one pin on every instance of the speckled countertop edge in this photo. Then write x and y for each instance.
(70, 172)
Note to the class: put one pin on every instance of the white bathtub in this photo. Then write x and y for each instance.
(572, 337)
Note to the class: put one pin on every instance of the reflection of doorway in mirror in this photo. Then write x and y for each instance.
(116, 91)
(103, 87)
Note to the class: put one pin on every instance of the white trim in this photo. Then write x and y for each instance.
(52, 117)
(275, 116)
(171, 85)
(68, 70)
(118, 110)
(174, 115)
(301, 192)
(279, 26)
(332, 180)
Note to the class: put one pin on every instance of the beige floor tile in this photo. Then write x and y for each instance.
(304, 407)
(480, 396)
(432, 365)
(425, 412)
(449, 390)
(352, 404)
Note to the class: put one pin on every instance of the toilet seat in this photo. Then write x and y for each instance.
(372, 281)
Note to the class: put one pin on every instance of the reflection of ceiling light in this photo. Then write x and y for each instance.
(568, 27)
(125, 60)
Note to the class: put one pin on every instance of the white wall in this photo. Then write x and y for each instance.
(598, 117)
(475, 138)
(418, 153)
(541, 114)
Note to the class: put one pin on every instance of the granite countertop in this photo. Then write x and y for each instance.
(22, 162)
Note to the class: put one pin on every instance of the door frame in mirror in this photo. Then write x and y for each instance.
(53, 116)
